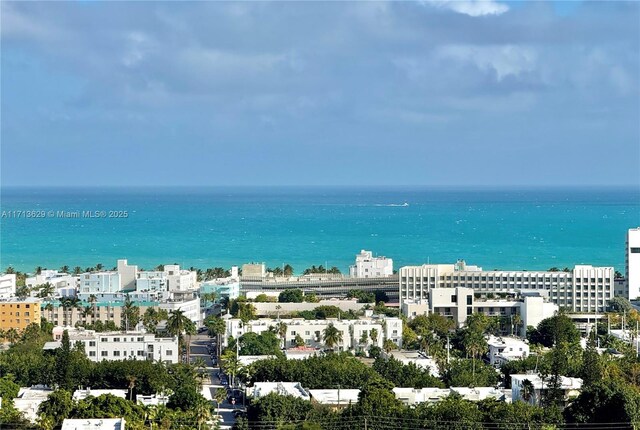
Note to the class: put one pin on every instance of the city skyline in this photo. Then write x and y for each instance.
(432, 93)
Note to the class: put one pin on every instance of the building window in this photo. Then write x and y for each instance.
(635, 250)
(92, 343)
(116, 353)
(169, 352)
(454, 299)
(92, 353)
(469, 300)
(103, 353)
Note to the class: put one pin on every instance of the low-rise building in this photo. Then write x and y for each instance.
(458, 303)
(335, 398)
(89, 392)
(274, 309)
(93, 424)
(532, 388)
(29, 400)
(417, 358)
(226, 288)
(18, 313)
(97, 308)
(504, 349)
(354, 333)
(261, 389)
(412, 396)
(477, 394)
(119, 345)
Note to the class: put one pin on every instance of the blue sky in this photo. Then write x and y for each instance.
(433, 93)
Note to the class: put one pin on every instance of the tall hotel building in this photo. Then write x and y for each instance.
(584, 289)
(633, 263)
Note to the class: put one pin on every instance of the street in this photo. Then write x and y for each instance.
(198, 349)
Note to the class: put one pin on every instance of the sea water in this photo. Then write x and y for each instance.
(303, 226)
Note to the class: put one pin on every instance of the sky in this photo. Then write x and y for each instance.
(434, 93)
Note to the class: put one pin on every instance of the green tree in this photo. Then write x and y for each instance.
(281, 329)
(291, 295)
(605, 402)
(555, 330)
(591, 371)
(131, 314)
(470, 372)
(57, 407)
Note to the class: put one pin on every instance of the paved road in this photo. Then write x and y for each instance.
(198, 349)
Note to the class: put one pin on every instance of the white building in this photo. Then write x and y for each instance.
(477, 394)
(190, 308)
(93, 424)
(7, 286)
(65, 285)
(119, 345)
(180, 280)
(335, 398)
(570, 386)
(99, 283)
(504, 349)
(88, 392)
(633, 263)
(412, 396)
(29, 400)
(368, 266)
(312, 331)
(419, 359)
(458, 303)
(584, 289)
(261, 389)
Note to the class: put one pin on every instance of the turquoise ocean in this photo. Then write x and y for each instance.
(207, 227)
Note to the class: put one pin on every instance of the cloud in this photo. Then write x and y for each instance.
(502, 60)
(471, 7)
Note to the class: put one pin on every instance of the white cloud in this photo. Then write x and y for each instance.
(471, 7)
(503, 60)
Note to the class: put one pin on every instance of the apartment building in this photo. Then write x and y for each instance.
(19, 313)
(458, 303)
(89, 312)
(119, 345)
(633, 263)
(63, 283)
(99, 283)
(584, 289)
(7, 286)
(368, 266)
(570, 387)
(312, 331)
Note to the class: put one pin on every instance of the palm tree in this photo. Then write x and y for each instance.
(86, 311)
(100, 266)
(64, 269)
(202, 411)
(281, 329)
(332, 336)
(177, 324)
(364, 339)
(373, 334)
(220, 396)
(12, 335)
(38, 270)
(77, 270)
(517, 322)
(45, 290)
